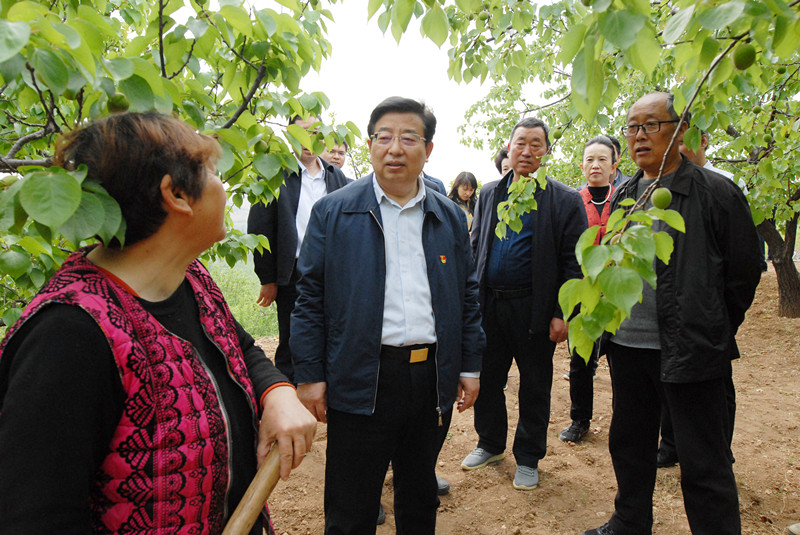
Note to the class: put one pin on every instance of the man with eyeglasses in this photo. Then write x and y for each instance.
(519, 278)
(386, 333)
(676, 347)
(337, 155)
(283, 221)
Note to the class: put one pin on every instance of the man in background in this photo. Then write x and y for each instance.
(519, 278)
(283, 221)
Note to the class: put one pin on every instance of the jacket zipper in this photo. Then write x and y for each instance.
(225, 414)
(378, 374)
(224, 419)
(436, 351)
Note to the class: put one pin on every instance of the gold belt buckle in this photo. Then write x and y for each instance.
(418, 355)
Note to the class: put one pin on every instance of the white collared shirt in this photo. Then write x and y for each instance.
(407, 310)
(312, 189)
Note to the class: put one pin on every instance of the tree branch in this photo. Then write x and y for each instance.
(26, 139)
(161, 37)
(11, 166)
(185, 63)
(262, 72)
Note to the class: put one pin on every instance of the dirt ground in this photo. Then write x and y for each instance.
(577, 485)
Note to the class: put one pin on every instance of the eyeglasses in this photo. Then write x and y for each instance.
(650, 127)
(341, 153)
(408, 139)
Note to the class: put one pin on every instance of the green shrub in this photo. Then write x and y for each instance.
(240, 287)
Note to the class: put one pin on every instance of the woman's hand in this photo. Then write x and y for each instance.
(286, 421)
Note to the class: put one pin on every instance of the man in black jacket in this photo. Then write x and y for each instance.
(677, 345)
(283, 221)
(519, 279)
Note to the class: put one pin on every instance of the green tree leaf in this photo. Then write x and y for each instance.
(50, 69)
(87, 220)
(13, 37)
(677, 24)
(50, 197)
(435, 25)
(14, 263)
(621, 27)
(718, 17)
(622, 286)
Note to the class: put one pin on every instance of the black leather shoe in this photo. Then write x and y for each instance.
(666, 458)
(575, 432)
(444, 486)
(381, 515)
(602, 530)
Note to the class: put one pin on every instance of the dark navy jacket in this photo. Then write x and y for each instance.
(438, 184)
(276, 221)
(703, 293)
(558, 222)
(338, 316)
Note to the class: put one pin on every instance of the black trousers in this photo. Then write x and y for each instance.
(404, 430)
(284, 301)
(699, 416)
(668, 436)
(581, 385)
(506, 324)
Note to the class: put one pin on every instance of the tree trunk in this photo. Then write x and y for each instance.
(782, 250)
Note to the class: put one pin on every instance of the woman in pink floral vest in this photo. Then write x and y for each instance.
(131, 401)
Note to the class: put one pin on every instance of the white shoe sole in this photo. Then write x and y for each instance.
(494, 459)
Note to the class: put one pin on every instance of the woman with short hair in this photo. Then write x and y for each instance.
(130, 398)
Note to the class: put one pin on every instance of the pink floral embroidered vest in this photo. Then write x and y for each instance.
(167, 467)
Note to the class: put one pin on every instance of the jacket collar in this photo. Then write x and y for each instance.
(363, 199)
(681, 182)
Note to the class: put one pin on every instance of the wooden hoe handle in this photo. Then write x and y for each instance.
(243, 518)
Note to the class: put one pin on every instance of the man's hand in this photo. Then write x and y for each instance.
(286, 421)
(267, 294)
(558, 330)
(468, 388)
(313, 396)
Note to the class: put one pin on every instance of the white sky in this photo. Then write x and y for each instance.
(367, 66)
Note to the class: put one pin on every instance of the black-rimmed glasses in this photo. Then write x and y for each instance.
(649, 127)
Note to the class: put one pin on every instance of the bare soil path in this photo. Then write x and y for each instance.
(577, 481)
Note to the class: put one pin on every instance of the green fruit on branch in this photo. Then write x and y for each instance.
(118, 103)
(260, 147)
(744, 56)
(782, 69)
(661, 198)
(557, 134)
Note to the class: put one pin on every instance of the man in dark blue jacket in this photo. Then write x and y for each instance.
(283, 221)
(519, 279)
(386, 333)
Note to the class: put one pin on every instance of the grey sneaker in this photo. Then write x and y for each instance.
(526, 478)
(480, 458)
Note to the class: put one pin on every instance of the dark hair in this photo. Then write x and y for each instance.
(465, 177)
(602, 140)
(129, 154)
(502, 154)
(532, 122)
(614, 141)
(404, 105)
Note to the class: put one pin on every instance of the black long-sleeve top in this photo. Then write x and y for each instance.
(61, 399)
